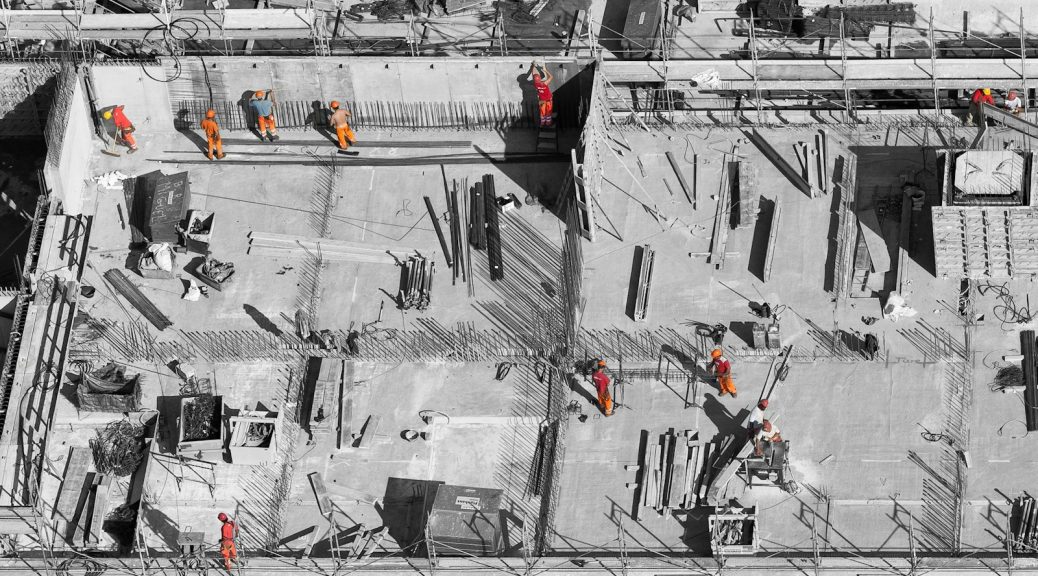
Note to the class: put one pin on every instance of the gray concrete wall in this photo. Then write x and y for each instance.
(140, 89)
(362, 79)
(68, 179)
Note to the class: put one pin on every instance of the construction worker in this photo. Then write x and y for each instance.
(263, 106)
(1013, 103)
(342, 127)
(123, 128)
(601, 382)
(757, 417)
(980, 96)
(228, 532)
(541, 80)
(722, 369)
(212, 134)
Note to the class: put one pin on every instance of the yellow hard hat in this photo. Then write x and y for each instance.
(107, 115)
(987, 91)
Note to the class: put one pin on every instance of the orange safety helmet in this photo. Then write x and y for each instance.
(210, 113)
(335, 104)
(601, 363)
(259, 94)
(715, 353)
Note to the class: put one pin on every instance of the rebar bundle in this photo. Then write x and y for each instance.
(1023, 525)
(118, 448)
(416, 283)
(493, 231)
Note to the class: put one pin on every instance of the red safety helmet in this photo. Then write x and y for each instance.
(221, 517)
(763, 404)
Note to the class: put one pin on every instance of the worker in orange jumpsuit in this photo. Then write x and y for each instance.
(228, 532)
(263, 105)
(722, 369)
(341, 125)
(601, 382)
(545, 101)
(980, 96)
(123, 128)
(212, 134)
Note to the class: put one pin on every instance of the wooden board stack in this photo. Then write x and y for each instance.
(675, 471)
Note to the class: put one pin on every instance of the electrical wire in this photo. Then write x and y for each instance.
(1008, 312)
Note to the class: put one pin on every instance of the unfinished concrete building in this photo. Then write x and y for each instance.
(480, 342)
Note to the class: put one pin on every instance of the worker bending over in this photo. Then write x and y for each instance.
(338, 120)
(212, 134)
(601, 382)
(1013, 103)
(124, 129)
(768, 434)
(722, 369)
(263, 106)
(228, 532)
(545, 102)
(980, 97)
(757, 418)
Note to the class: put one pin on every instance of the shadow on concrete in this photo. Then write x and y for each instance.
(404, 509)
(261, 320)
(161, 525)
(578, 386)
(834, 225)
(726, 422)
(250, 116)
(743, 330)
(759, 245)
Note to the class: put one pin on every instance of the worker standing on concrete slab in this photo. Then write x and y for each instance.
(601, 381)
(338, 120)
(980, 96)
(1013, 103)
(757, 417)
(228, 532)
(722, 369)
(123, 127)
(545, 102)
(212, 134)
(263, 105)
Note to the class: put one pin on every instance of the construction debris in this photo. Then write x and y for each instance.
(674, 471)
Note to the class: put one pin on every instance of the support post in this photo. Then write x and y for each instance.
(753, 58)
(1023, 62)
(933, 70)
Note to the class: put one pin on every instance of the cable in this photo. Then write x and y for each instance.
(1008, 313)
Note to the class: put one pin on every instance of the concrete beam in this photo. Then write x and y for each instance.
(816, 74)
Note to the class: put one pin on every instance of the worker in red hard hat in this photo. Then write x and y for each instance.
(722, 369)
(601, 382)
(980, 97)
(339, 121)
(1013, 103)
(228, 532)
(212, 134)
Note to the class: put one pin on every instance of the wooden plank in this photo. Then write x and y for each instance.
(72, 484)
(17, 520)
(877, 247)
(344, 437)
(704, 471)
(769, 255)
(689, 192)
(98, 509)
(678, 478)
(324, 503)
(666, 467)
(902, 245)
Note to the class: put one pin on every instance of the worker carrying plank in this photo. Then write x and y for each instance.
(212, 134)
(541, 83)
(601, 382)
(262, 104)
(124, 129)
(228, 532)
(338, 120)
(721, 368)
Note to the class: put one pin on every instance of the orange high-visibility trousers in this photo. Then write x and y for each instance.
(229, 552)
(215, 143)
(126, 135)
(727, 385)
(345, 136)
(605, 402)
(545, 109)
(267, 124)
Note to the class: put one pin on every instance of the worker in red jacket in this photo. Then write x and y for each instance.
(722, 369)
(124, 129)
(601, 382)
(545, 102)
(228, 532)
(980, 96)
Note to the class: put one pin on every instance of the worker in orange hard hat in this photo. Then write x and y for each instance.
(262, 103)
(601, 382)
(980, 97)
(338, 120)
(228, 532)
(123, 127)
(212, 134)
(722, 369)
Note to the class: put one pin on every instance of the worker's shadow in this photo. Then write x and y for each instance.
(250, 116)
(183, 125)
(578, 385)
(725, 422)
(318, 118)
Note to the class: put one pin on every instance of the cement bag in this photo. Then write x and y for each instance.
(163, 256)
